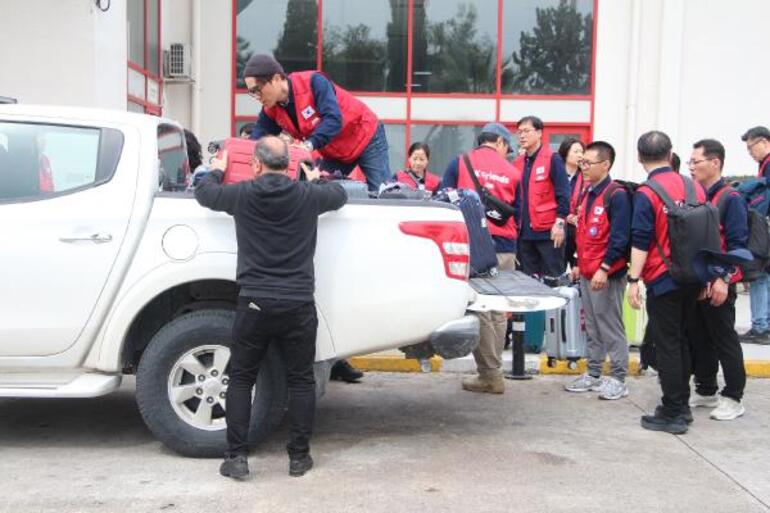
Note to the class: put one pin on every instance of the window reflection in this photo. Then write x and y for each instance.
(547, 46)
(454, 46)
(446, 142)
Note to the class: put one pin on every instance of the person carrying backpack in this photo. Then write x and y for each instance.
(711, 329)
(664, 205)
(486, 171)
(602, 239)
(757, 141)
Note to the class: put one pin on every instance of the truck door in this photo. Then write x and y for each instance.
(65, 203)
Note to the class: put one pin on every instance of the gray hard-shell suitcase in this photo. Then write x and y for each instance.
(565, 334)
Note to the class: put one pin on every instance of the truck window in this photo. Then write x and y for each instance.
(172, 159)
(39, 161)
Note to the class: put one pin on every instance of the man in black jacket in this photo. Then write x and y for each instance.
(276, 222)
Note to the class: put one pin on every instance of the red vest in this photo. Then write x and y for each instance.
(541, 195)
(579, 186)
(432, 181)
(498, 176)
(592, 235)
(738, 276)
(358, 122)
(763, 165)
(673, 184)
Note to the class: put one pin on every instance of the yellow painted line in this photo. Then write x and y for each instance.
(392, 363)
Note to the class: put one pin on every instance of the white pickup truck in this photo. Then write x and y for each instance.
(105, 274)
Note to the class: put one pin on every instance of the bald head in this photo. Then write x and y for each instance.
(273, 153)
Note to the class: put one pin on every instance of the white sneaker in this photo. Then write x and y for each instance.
(613, 389)
(728, 409)
(585, 383)
(704, 401)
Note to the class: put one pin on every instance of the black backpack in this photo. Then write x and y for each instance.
(692, 226)
(759, 240)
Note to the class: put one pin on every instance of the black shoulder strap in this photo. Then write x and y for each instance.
(689, 187)
(661, 192)
(724, 192)
(416, 179)
(609, 191)
(469, 168)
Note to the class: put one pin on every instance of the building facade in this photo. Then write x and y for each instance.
(433, 70)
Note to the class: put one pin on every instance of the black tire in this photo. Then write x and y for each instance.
(191, 330)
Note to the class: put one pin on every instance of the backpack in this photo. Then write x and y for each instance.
(483, 259)
(756, 193)
(692, 227)
(759, 241)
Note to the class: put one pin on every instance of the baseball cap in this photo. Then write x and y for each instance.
(498, 129)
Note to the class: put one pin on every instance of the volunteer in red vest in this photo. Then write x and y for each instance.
(711, 330)
(417, 175)
(603, 233)
(757, 141)
(500, 178)
(545, 198)
(321, 114)
(571, 152)
(667, 302)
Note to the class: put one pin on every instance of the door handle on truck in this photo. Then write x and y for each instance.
(96, 238)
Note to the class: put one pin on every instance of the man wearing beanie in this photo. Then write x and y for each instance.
(326, 117)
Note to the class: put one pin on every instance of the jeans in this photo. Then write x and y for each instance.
(759, 296)
(292, 326)
(668, 315)
(373, 161)
(713, 340)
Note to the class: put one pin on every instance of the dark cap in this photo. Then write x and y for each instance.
(754, 133)
(262, 65)
(497, 129)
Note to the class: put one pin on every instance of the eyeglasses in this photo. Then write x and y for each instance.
(588, 163)
(525, 131)
(256, 90)
(750, 145)
(693, 163)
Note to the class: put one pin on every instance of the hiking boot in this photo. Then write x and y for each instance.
(704, 401)
(613, 389)
(485, 384)
(299, 465)
(686, 416)
(659, 422)
(728, 409)
(236, 466)
(343, 371)
(585, 383)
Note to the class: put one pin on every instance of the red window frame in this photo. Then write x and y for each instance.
(149, 107)
(498, 95)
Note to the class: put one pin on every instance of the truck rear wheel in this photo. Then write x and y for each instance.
(182, 380)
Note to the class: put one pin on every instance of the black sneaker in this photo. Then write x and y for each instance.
(236, 466)
(675, 425)
(343, 371)
(299, 465)
(686, 416)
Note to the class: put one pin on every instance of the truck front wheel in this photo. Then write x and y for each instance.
(182, 380)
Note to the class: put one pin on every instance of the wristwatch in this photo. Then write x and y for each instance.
(559, 222)
(629, 279)
(308, 144)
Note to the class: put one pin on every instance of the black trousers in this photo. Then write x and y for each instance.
(668, 317)
(570, 245)
(292, 327)
(713, 340)
(541, 258)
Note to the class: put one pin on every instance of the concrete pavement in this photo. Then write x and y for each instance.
(401, 442)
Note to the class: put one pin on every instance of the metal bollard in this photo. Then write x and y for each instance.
(518, 372)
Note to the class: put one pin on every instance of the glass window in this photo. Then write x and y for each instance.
(446, 142)
(136, 32)
(37, 161)
(555, 140)
(547, 46)
(153, 35)
(454, 46)
(172, 157)
(285, 28)
(364, 49)
(396, 135)
(135, 107)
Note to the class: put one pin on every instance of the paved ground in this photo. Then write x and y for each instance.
(401, 442)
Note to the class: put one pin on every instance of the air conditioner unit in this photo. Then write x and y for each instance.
(176, 61)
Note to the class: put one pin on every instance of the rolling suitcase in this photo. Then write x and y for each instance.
(565, 334)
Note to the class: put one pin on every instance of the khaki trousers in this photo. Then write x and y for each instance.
(489, 353)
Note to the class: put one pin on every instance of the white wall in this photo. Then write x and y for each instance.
(63, 52)
(685, 69)
(176, 19)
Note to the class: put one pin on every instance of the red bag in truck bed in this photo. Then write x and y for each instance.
(241, 151)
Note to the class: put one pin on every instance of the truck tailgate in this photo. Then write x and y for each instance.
(513, 291)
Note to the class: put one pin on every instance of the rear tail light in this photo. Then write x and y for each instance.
(451, 237)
